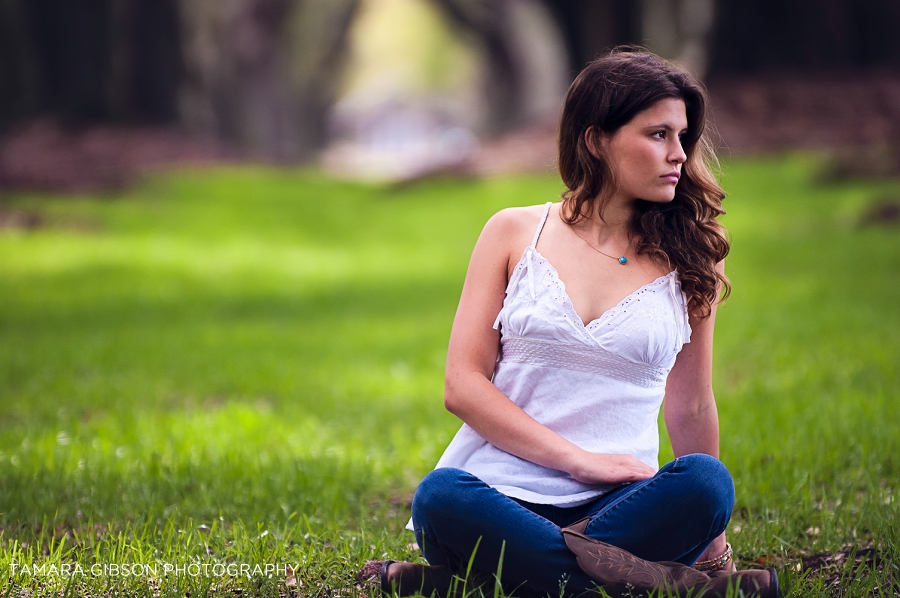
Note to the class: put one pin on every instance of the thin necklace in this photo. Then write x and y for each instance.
(621, 259)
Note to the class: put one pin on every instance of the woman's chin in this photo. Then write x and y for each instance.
(659, 198)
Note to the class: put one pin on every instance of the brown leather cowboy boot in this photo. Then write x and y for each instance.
(406, 579)
(401, 578)
(620, 573)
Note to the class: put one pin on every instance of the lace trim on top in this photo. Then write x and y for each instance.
(532, 258)
(566, 302)
(592, 360)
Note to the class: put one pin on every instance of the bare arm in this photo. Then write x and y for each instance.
(690, 406)
(472, 354)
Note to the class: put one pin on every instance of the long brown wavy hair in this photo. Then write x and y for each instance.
(682, 234)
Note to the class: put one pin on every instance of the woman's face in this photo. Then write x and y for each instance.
(646, 153)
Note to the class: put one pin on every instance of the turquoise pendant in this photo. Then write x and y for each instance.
(623, 260)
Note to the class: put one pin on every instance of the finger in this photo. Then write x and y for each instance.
(646, 468)
(635, 475)
(645, 473)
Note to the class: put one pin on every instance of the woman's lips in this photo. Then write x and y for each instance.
(672, 177)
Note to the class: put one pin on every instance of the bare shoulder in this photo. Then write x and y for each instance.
(504, 238)
(513, 227)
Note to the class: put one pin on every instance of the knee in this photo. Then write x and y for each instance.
(713, 488)
(438, 493)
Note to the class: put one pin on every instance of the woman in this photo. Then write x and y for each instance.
(575, 321)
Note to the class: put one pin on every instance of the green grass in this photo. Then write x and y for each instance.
(245, 366)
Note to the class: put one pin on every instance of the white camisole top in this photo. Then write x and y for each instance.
(599, 385)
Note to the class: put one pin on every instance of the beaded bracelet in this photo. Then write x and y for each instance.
(718, 563)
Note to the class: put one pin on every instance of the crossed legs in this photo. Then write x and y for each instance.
(672, 516)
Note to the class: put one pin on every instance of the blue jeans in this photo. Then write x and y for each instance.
(672, 516)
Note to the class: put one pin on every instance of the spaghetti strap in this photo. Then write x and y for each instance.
(540, 227)
(529, 266)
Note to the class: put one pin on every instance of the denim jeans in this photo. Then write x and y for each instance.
(672, 516)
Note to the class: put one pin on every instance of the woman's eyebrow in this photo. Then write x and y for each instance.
(665, 126)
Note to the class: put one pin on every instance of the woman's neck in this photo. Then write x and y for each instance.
(612, 226)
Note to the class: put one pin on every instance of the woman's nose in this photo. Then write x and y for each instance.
(677, 155)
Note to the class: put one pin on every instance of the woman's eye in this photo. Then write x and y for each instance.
(659, 135)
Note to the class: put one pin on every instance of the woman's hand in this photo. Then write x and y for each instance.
(593, 468)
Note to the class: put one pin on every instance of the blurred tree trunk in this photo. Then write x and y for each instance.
(146, 67)
(679, 30)
(489, 22)
(91, 60)
(803, 35)
(674, 29)
(18, 71)
(264, 72)
(592, 26)
(737, 36)
(587, 28)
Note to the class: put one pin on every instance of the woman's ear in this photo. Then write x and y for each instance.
(592, 140)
